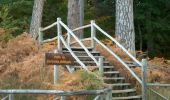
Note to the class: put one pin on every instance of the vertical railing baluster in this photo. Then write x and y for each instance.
(93, 34)
(59, 32)
(108, 95)
(102, 97)
(56, 71)
(101, 69)
(144, 79)
(11, 96)
(68, 43)
(63, 98)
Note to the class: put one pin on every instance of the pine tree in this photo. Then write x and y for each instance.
(36, 18)
(75, 16)
(125, 24)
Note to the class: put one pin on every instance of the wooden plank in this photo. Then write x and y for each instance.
(58, 59)
(126, 98)
(124, 91)
(56, 92)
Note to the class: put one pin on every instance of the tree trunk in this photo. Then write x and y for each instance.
(36, 18)
(75, 16)
(125, 24)
(149, 30)
(141, 38)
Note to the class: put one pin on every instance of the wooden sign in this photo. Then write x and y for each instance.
(58, 59)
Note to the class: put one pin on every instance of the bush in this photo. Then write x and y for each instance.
(90, 81)
(6, 37)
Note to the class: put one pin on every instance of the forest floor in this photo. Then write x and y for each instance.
(22, 67)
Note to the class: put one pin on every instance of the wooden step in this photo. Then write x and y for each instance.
(92, 63)
(83, 53)
(119, 84)
(87, 58)
(105, 67)
(65, 51)
(78, 49)
(110, 80)
(111, 72)
(113, 78)
(124, 91)
(108, 66)
(127, 98)
(131, 64)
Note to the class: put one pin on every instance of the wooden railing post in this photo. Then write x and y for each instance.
(63, 98)
(59, 32)
(101, 97)
(93, 34)
(56, 71)
(56, 67)
(109, 94)
(101, 69)
(144, 79)
(11, 96)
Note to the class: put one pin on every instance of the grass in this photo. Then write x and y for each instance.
(164, 91)
(12, 81)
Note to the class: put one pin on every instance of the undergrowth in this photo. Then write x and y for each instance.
(90, 81)
(6, 37)
(12, 81)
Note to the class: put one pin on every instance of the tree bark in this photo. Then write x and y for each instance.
(36, 18)
(75, 16)
(125, 24)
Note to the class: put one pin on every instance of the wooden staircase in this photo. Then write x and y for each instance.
(121, 89)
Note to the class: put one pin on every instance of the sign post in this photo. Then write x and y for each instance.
(58, 59)
(56, 72)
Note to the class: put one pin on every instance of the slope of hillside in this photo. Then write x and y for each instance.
(22, 67)
(158, 68)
